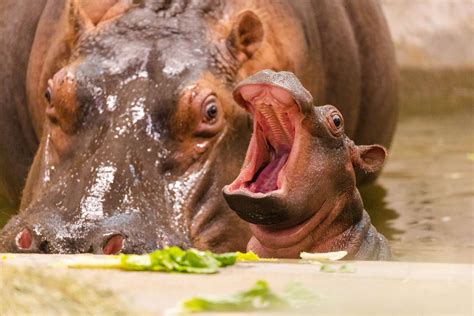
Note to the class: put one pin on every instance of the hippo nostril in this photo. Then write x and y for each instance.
(24, 240)
(114, 245)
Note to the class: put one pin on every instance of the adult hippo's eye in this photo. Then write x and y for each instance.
(48, 94)
(211, 109)
(335, 122)
(212, 117)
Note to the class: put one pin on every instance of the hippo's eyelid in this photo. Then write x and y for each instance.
(212, 116)
(210, 103)
(331, 118)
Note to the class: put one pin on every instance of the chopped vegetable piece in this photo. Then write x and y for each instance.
(7, 256)
(324, 256)
(345, 268)
(327, 268)
(260, 297)
(169, 259)
(247, 256)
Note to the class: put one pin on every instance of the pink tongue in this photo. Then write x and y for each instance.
(267, 179)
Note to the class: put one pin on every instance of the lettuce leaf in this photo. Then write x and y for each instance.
(258, 298)
(169, 259)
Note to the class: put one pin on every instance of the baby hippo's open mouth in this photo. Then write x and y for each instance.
(276, 116)
(258, 194)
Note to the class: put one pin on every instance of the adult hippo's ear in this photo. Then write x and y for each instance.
(246, 35)
(369, 158)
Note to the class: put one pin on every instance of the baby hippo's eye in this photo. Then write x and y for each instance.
(335, 122)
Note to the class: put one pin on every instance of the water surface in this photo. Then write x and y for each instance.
(423, 201)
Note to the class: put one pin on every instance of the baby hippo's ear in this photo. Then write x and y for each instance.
(369, 158)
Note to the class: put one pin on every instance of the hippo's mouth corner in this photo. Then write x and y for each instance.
(277, 121)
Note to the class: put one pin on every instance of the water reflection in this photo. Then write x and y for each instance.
(429, 183)
(380, 214)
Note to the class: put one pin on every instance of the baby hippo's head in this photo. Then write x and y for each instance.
(299, 158)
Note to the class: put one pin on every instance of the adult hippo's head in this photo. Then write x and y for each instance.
(140, 131)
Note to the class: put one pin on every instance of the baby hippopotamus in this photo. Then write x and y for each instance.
(297, 187)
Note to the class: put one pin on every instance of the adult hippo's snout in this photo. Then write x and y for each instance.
(100, 213)
(55, 235)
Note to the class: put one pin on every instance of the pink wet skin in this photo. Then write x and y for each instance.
(277, 129)
(24, 240)
(114, 245)
(276, 116)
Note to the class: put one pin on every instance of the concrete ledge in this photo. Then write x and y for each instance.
(379, 288)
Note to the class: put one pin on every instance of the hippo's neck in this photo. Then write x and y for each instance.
(351, 231)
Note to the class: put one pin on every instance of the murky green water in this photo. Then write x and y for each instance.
(424, 200)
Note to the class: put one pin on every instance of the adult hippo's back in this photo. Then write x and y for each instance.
(128, 106)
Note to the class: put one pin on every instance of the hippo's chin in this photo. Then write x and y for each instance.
(284, 237)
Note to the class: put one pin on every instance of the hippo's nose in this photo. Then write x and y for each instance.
(108, 244)
(27, 241)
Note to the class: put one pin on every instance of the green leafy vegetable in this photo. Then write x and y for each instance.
(169, 259)
(327, 268)
(260, 297)
(345, 268)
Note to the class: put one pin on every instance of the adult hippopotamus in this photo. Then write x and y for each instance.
(127, 105)
(297, 186)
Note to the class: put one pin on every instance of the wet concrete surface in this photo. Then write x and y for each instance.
(375, 288)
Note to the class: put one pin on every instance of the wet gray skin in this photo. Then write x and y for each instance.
(123, 163)
(297, 187)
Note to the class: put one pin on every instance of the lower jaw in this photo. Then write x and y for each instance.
(297, 236)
